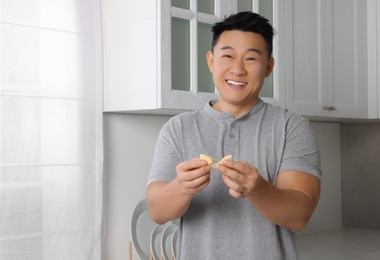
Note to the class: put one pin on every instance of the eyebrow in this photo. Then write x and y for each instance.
(248, 50)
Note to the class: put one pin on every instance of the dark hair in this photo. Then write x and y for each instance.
(246, 22)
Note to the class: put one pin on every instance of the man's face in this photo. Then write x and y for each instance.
(239, 64)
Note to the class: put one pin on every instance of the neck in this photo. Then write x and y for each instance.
(236, 110)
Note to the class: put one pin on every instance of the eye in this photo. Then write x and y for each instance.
(227, 56)
(251, 59)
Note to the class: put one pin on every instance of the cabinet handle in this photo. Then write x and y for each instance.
(329, 108)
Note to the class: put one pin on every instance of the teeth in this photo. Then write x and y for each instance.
(236, 83)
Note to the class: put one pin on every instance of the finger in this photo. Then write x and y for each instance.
(196, 185)
(204, 184)
(199, 182)
(232, 173)
(189, 176)
(236, 194)
(241, 166)
(236, 189)
(191, 164)
(231, 183)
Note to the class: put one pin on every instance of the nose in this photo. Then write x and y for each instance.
(238, 67)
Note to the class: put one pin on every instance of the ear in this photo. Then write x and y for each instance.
(270, 66)
(210, 60)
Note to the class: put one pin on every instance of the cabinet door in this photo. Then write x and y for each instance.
(186, 81)
(309, 55)
(373, 54)
(326, 58)
(376, 86)
(129, 55)
(349, 94)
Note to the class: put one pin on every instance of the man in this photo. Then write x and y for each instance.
(250, 206)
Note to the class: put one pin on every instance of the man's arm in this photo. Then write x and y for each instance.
(290, 203)
(168, 201)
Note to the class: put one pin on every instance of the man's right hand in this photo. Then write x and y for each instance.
(193, 175)
(169, 201)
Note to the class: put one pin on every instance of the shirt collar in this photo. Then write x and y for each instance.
(228, 117)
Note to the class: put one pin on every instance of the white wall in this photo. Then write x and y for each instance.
(129, 143)
(328, 214)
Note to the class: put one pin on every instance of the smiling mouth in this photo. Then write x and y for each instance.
(236, 83)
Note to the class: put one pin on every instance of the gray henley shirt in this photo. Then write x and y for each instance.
(217, 226)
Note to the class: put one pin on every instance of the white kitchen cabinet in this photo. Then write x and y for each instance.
(327, 58)
(373, 56)
(154, 53)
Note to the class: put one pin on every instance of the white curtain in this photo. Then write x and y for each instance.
(51, 155)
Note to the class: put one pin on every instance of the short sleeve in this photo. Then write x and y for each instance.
(167, 153)
(301, 151)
